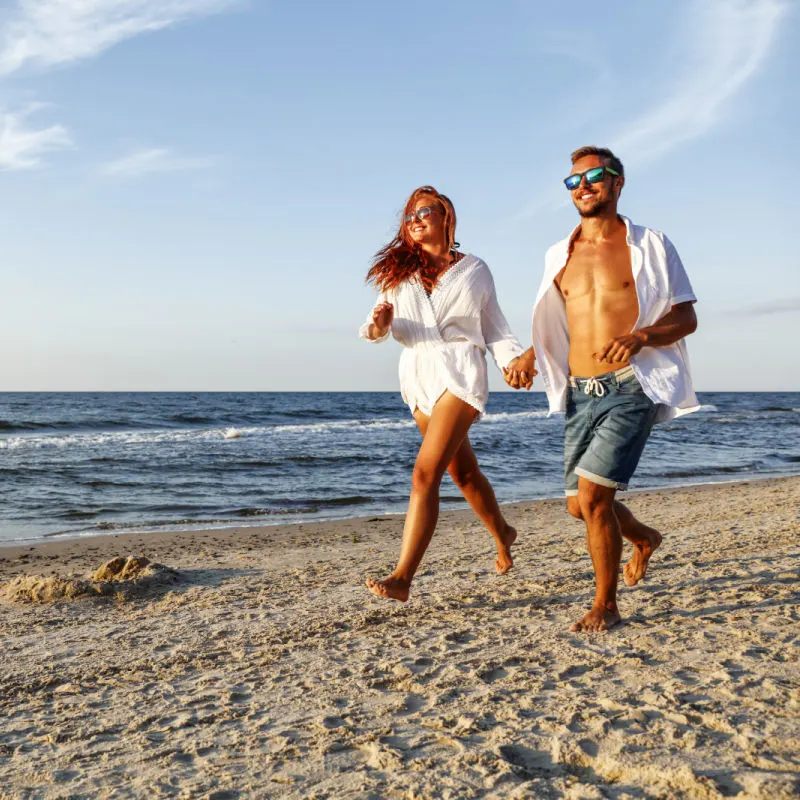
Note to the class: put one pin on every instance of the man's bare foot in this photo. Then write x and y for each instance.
(392, 588)
(504, 561)
(598, 619)
(636, 568)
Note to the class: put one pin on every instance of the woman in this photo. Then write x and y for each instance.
(440, 304)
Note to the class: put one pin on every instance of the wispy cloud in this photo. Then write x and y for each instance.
(46, 33)
(728, 43)
(725, 45)
(784, 306)
(153, 160)
(21, 146)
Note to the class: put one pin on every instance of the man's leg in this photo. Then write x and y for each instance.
(645, 541)
(604, 542)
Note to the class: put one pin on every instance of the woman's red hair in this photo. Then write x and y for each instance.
(402, 259)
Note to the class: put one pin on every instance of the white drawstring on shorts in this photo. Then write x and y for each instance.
(595, 387)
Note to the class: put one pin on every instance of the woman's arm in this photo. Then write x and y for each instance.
(379, 322)
(497, 333)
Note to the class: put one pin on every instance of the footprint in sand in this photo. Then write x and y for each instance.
(492, 675)
(413, 703)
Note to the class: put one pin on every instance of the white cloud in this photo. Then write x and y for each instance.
(51, 32)
(724, 44)
(153, 160)
(21, 146)
(729, 41)
(48, 33)
(789, 305)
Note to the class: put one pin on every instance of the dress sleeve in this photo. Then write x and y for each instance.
(680, 289)
(363, 331)
(497, 334)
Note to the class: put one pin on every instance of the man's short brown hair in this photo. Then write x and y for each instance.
(603, 152)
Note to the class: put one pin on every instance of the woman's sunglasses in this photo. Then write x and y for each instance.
(420, 214)
(594, 175)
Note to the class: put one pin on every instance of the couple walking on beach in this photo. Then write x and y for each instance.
(609, 321)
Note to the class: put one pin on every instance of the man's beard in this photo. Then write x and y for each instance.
(595, 210)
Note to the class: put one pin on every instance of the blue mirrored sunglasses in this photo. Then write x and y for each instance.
(594, 175)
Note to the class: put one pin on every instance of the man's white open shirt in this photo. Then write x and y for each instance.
(661, 282)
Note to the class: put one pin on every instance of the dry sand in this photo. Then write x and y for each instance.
(263, 668)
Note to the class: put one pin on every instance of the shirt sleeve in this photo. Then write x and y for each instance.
(680, 289)
(363, 331)
(497, 334)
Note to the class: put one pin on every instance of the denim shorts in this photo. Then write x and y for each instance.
(608, 421)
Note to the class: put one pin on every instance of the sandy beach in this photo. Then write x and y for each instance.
(257, 664)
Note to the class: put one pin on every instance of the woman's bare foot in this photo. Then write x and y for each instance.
(391, 588)
(636, 568)
(504, 561)
(598, 619)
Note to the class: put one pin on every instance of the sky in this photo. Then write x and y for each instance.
(192, 190)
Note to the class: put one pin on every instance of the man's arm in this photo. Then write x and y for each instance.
(676, 324)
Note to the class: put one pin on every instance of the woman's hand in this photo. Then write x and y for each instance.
(382, 316)
(519, 373)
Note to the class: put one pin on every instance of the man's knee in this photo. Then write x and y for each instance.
(595, 501)
(574, 506)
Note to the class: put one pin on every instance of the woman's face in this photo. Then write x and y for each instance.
(424, 221)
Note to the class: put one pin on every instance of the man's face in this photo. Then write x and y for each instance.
(594, 199)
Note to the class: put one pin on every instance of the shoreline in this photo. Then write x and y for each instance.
(178, 528)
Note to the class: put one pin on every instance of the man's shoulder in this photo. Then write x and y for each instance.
(644, 234)
(558, 250)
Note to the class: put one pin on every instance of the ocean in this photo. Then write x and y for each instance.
(77, 464)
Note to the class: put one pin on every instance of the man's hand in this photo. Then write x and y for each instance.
(677, 323)
(519, 373)
(621, 348)
(382, 316)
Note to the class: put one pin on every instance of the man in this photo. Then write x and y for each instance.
(608, 326)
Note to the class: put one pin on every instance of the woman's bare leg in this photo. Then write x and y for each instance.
(478, 492)
(446, 429)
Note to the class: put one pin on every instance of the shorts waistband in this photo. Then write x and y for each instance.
(619, 375)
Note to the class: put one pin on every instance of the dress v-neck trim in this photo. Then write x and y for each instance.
(457, 268)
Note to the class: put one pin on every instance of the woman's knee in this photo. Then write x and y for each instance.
(424, 478)
(463, 475)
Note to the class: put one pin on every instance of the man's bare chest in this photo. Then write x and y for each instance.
(597, 272)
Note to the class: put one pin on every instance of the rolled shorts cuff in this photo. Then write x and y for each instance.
(599, 479)
(570, 492)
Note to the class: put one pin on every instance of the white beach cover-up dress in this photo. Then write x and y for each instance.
(445, 335)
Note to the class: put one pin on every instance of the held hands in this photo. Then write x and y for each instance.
(519, 373)
(382, 316)
(621, 348)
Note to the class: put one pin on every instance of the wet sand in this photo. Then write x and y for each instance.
(262, 667)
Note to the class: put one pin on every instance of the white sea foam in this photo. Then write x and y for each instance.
(493, 419)
(708, 407)
(131, 438)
